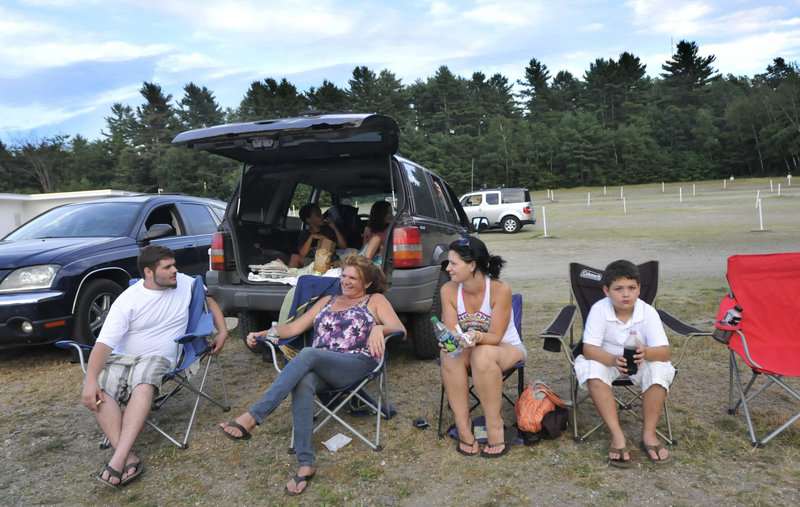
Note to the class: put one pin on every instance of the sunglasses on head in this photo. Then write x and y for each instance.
(463, 241)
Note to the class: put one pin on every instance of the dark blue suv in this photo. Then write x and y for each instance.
(60, 272)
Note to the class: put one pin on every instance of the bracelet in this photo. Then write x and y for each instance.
(479, 337)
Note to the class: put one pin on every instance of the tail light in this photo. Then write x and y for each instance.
(217, 252)
(526, 210)
(407, 247)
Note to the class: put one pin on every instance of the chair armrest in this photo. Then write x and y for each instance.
(679, 326)
(557, 331)
(561, 324)
(78, 350)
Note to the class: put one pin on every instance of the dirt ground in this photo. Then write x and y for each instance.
(49, 451)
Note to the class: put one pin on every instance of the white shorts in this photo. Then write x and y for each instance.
(650, 372)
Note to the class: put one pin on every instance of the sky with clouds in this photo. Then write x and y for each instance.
(63, 63)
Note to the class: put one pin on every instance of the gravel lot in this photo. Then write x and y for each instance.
(49, 446)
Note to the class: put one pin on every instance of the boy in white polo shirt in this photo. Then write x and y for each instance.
(610, 323)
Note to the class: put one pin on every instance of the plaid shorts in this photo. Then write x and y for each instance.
(123, 373)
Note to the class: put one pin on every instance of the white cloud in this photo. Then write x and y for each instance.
(738, 57)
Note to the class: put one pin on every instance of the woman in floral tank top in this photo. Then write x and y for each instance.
(349, 332)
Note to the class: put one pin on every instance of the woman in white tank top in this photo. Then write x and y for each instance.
(477, 300)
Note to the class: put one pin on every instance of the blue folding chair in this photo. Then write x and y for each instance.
(192, 348)
(519, 369)
(335, 402)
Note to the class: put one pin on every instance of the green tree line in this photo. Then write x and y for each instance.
(614, 125)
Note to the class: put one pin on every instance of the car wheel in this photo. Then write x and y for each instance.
(426, 346)
(510, 224)
(250, 322)
(94, 302)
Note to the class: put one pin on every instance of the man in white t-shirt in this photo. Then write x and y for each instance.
(135, 348)
(619, 317)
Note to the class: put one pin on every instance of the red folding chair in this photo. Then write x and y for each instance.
(767, 338)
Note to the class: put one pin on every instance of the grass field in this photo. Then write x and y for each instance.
(49, 451)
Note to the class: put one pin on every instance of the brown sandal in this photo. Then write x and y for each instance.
(620, 462)
(655, 448)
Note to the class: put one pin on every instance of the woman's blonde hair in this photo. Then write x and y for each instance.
(369, 273)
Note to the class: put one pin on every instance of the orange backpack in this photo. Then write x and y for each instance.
(536, 400)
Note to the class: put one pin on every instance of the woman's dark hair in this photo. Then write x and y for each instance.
(472, 249)
(369, 272)
(377, 216)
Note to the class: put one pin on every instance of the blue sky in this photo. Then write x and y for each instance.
(63, 63)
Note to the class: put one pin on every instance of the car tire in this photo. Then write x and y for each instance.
(250, 322)
(91, 310)
(510, 224)
(426, 345)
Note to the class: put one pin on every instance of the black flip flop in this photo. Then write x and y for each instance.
(244, 436)
(111, 473)
(495, 454)
(137, 467)
(297, 480)
(462, 451)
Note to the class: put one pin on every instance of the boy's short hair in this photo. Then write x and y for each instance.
(151, 255)
(618, 270)
(307, 209)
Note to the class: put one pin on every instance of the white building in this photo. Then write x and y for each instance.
(16, 209)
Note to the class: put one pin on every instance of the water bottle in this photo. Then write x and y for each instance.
(733, 316)
(446, 338)
(631, 344)
(272, 334)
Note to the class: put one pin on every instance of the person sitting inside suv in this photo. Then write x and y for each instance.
(380, 216)
(318, 229)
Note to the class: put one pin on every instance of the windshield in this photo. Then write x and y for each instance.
(80, 220)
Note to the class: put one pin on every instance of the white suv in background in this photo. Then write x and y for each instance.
(505, 208)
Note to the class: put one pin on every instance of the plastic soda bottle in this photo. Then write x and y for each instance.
(446, 338)
(631, 344)
(272, 334)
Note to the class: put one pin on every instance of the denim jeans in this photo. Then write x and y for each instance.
(313, 370)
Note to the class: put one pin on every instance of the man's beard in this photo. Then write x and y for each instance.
(166, 285)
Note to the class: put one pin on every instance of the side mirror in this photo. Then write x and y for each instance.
(480, 223)
(159, 231)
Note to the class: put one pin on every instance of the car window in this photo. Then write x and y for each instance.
(164, 215)
(493, 198)
(219, 213)
(442, 200)
(198, 219)
(257, 193)
(420, 191)
(472, 200)
(514, 195)
(80, 220)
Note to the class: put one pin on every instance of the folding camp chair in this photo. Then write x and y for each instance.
(587, 289)
(519, 369)
(333, 403)
(767, 288)
(192, 348)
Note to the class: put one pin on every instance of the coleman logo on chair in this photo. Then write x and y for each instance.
(591, 275)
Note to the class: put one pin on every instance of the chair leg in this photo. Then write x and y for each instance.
(441, 410)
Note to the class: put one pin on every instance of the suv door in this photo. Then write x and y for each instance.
(491, 207)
